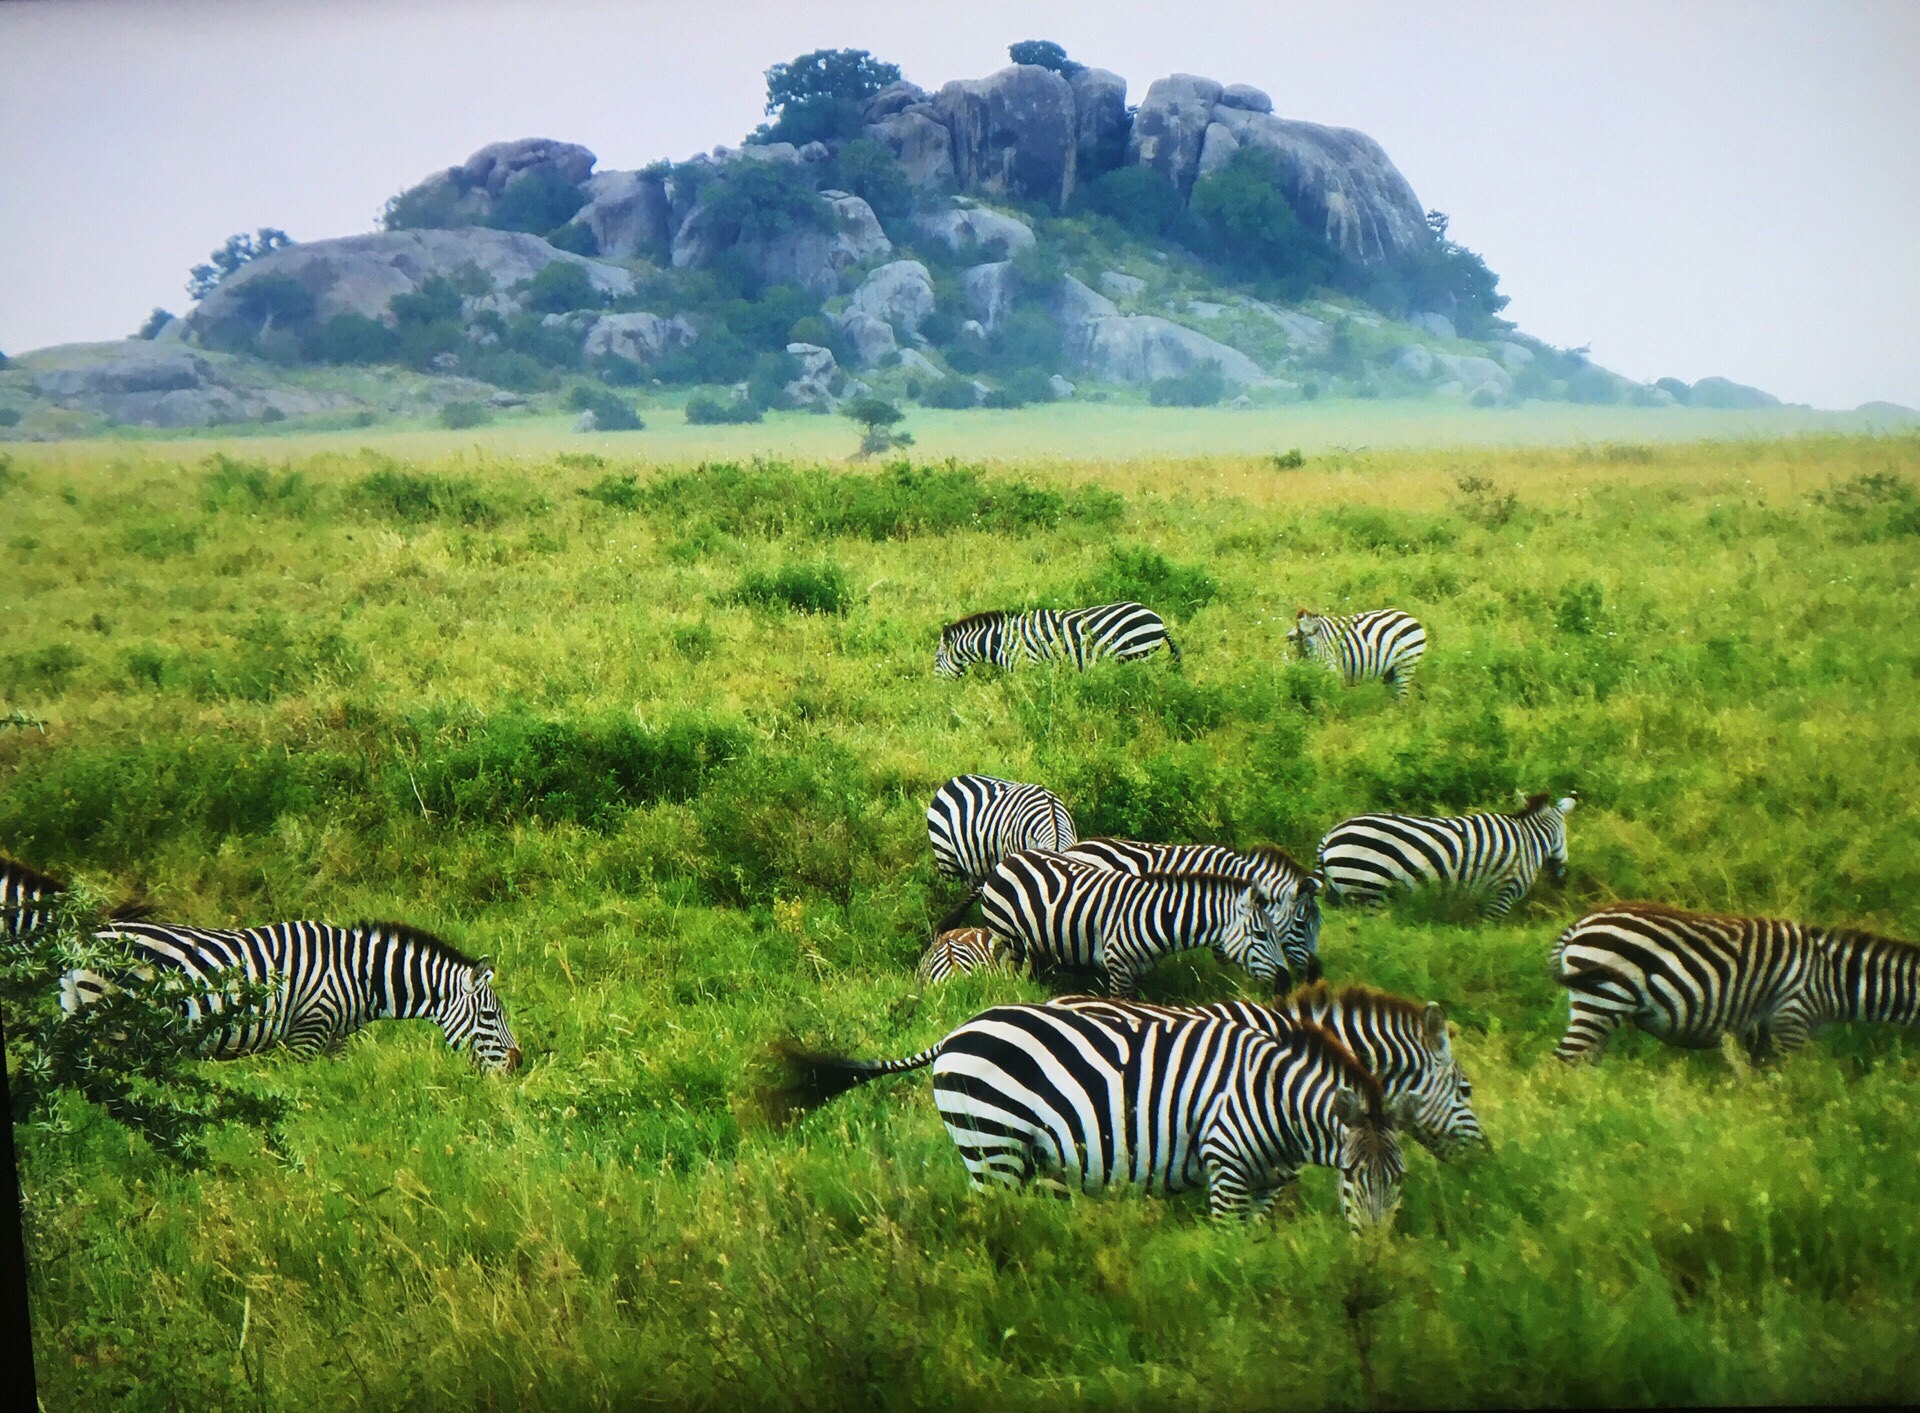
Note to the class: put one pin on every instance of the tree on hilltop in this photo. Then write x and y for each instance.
(1046, 54)
(238, 250)
(818, 96)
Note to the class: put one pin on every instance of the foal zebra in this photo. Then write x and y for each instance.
(1401, 1043)
(962, 952)
(1159, 1102)
(323, 983)
(1079, 636)
(1288, 887)
(1692, 978)
(1381, 642)
(26, 898)
(1497, 855)
(1058, 912)
(977, 820)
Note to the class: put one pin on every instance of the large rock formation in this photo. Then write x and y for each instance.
(466, 194)
(965, 228)
(362, 274)
(899, 295)
(1170, 126)
(140, 383)
(991, 289)
(1100, 123)
(1014, 133)
(1112, 347)
(806, 256)
(630, 215)
(638, 338)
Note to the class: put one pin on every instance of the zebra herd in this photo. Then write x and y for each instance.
(1236, 1096)
(1092, 1091)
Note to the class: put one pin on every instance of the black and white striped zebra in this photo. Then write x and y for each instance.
(1382, 642)
(27, 898)
(977, 820)
(1160, 1103)
(1693, 978)
(1058, 912)
(1078, 636)
(1289, 889)
(322, 983)
(1495, 856)
(1400, 1042)
(962, 952)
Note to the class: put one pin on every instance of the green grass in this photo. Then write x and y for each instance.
(685, 821)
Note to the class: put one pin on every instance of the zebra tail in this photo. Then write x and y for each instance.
(952, 919)
(1173, 647)
(812, 1077)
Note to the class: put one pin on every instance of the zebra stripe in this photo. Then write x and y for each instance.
(1078, 636)
(323, 984)
(1060, 913)
(1401, 1043)
(26, 898)
(1692, 978)
(1160, 1103)
(1289, 889)
(977, 820)
(962, 952)
(1381, 642)
(1498, 855)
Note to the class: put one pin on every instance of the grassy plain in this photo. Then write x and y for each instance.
(518, 698)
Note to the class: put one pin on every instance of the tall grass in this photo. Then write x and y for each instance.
(683, 824)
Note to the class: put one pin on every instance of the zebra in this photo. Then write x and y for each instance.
(1162, 1103)
(1495, 855)
(322, 982)
(1058, 912)
(1401, 1043)
(27, 898)
(1693, 978)
(977, 820)
(1290, 890)
(961, 952)
(1080, 636)
(1381, 642)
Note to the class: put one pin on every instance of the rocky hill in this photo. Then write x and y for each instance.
(1008, 239)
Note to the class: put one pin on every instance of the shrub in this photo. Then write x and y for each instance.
(804, 588)
(1250, 227)
(459, 415)
(1201, 387)
(1143, 574)
(560, 288)
(537, 200)
(414, 498)
(610, 413)
(767, 384)
(1291, 460)
(1138, 198)
(574, 237)
(775, 823)
(951, 392)
(238, 250)
(704, 410)
(353, 338)
(9, 416)
(870, 171)
(156, 321)
(749, 200)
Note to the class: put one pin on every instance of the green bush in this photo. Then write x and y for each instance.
(576, 238)
(610, 413)
(414, 498)
(1201, 387)
(460, 415)
(952, 392)
(870, 171)
(560, 288)
(804, 588)
(704, 410)
(777, 823)
(537, 200)
(1147, 576)
(1138, 198)
(353, 338)
(1249, 226)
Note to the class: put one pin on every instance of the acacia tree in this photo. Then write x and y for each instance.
(877, 416)
(238, 250)
(818, 96)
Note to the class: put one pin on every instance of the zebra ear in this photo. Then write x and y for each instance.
(1435, 1023)
(1311, 884)
(1349, 1108)
(1566, 805)
(481, 971)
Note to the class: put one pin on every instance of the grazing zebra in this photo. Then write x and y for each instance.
(1382, 642)
(1692, 978)
(1162, 1103)
(1058, 912)
(977, 820)
(1288, 887)
(26, 898)
(1401, 1043)
(323, 983)
(960, 953)
(1496, 855)
(1079, 636)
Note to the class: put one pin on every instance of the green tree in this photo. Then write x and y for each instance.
(536, 201)
(754, 200)
(156, 321)
(819, 96)
(238, 250)
(1249, 226)
(1450, 279)
(1046, 54)
(871, 172)
(560, 288)
(877, 417)
(1138, 198)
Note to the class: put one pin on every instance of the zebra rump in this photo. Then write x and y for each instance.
(1495, 855)
(1157, 1102)
(975, 821)
(1693, 978)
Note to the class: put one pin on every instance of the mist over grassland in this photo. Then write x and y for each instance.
(545, 702)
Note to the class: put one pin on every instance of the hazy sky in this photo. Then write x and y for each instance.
(1727, 188)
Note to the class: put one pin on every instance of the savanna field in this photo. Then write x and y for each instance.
(659, 740)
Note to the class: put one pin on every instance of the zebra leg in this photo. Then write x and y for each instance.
(1589, 1024)
(1500, 902)
(1780, 1035)
(1260, 1207)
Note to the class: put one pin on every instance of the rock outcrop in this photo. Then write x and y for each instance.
(639, 338)
(1725, 393)
(1141, 348)
(899, 295)
(466, 194)
(921, 144)
(1014, 133)
(140, 383)
(630, 215)
(805, 256)
(362, 274)
(1170, 126)
(991, 289)
(1100, 122)
(872, 338)
(966, 228)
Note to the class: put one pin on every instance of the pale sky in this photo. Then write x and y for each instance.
(1728, 188)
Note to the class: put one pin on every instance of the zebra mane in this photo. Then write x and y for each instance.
(1317, 995)
(986, 616)
(1534, 804)
(1273, 853)
(29, 878)
(1204, 875)
(404, 932)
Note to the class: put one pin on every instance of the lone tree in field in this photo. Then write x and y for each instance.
(877, 415)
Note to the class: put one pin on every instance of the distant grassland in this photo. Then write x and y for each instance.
(557, 707)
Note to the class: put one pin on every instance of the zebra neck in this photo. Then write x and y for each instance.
(1871, 978)
(401, 979)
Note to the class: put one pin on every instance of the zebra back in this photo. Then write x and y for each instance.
(322, 983)
(1693, 978)
(1498, 855)
(1059, 912)
(1382, 642)
(26, 898)
(975, 821)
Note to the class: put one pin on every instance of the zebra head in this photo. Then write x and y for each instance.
(1307, 627)
(1252, 941)
(1554, 818)
(473, 1016)
(943, 664)
(1300, 938)
(1443, 1118)
(1372, 1167)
